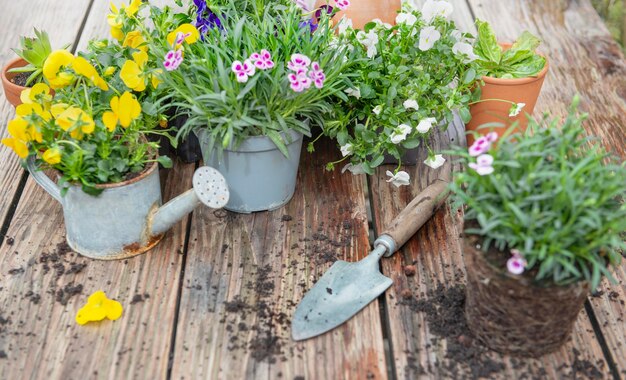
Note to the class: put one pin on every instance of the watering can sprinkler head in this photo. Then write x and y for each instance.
(209, 188)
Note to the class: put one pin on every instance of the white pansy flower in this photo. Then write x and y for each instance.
(380, 22)
(516, 109)
(411, 104)
(436, 8)
(406, 18)
(435, 162)
(456, 35)
(465, 49)
(398, 137)
(378, 109)
(426, 124)
(401, 178)
(356, 92)
(346, 150)
(428, 36)
(354, 169)
(369, 40)
(343, 25)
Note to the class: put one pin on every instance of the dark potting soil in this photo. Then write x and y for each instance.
(68, 291)
(10, 240)
(20, 79)
(139, 298)
(444, 311)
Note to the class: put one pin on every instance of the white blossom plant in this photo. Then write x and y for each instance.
(405, 81)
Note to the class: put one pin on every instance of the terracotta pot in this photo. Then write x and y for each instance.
(522, 90)
(11, 90)
(512, 314)
(363, 11)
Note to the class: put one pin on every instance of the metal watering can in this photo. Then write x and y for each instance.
(127, 218)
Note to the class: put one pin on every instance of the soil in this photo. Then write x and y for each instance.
(445, 316)
(139, 298)
(20, 79)
(286, 218)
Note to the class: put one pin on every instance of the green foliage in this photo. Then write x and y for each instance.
(520, 61)
(206, 90)
(555, 195)
(394, 70)
(34, 51)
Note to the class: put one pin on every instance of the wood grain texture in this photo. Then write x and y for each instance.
(17, 21)
(37, 286)
(246, 273)
(585, 60)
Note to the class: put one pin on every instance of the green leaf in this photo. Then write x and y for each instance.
(465, 114)
(165, 161)
(278, 141)
(487, 44)
(526, 41)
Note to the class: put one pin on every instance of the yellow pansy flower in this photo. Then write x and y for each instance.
(38, 93)
(132, 72)
(19, 147)
(23, 131)
(99, 307)
(124, 110)
(28, 109)
(52, 156)
(57, 60)
(82, 67)
(189, 31)
(57, 109)
(135, 40)
(115, 22)
(77, 121)
(109, 71)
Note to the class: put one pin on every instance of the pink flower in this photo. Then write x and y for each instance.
(317, 75)
(483, 165)
(492, 136)
(299, 62)
(343, 4)
(516, 264)
(303, 4)
(243, 70)
(180, 37)
(263, 60)
(480, 146)
(173, 59)
(299, 81)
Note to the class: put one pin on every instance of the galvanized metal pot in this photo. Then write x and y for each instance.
(259, 176)
(126, 218)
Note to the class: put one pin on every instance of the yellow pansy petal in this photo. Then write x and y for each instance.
(114, 310)
(55, 61)
(18, 128)
(52, 156)
(155, 81)
(132, 9)
(192, 31)
(109, 71)
(131, 75)
(140, 57)
(135, 40)
(129, 109)
(82, 67)
(110, 120)
(25, 96)
(58, 109)
(19, 147)
(117, 33)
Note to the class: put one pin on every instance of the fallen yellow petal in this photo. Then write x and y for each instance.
(99, 307)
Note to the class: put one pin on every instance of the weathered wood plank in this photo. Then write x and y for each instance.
(436, 252)
(585, 59)
(19, 20)
(245, 274)
(43, 284)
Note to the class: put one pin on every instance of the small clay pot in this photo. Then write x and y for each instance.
(363, 11)
(512, 314)
(11, 90)
(518, 90)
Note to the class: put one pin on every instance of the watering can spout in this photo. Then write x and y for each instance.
(209, 188)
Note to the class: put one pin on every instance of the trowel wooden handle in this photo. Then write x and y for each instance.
(417, 213)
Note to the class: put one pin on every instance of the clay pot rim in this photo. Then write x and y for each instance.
(5, 70)
(517, 81)
(522, 280)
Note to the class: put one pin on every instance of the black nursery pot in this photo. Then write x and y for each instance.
(188, 149)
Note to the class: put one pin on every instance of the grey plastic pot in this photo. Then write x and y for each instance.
(127, 219)
(259, 176)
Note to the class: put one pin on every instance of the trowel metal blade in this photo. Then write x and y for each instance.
(339, 294)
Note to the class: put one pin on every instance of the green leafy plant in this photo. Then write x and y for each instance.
(233, 104)
(519, 61)
(552, 196)
(34, 51)
(405, 82)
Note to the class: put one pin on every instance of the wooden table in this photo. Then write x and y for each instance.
(215, 298)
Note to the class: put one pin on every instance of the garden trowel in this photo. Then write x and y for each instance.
(347, 287)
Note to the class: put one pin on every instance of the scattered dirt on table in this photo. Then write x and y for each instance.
(139, 298)
(3, 355)
(410, 270)
(68, 291)
(286, 218)
(10, 240)
(33, 297)
(467, 357)
(15, 271)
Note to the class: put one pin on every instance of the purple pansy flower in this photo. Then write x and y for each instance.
(205, 19)
(243, 70)
(173, 59)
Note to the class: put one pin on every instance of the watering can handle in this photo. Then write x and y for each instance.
(414, 215)
(43, 179)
